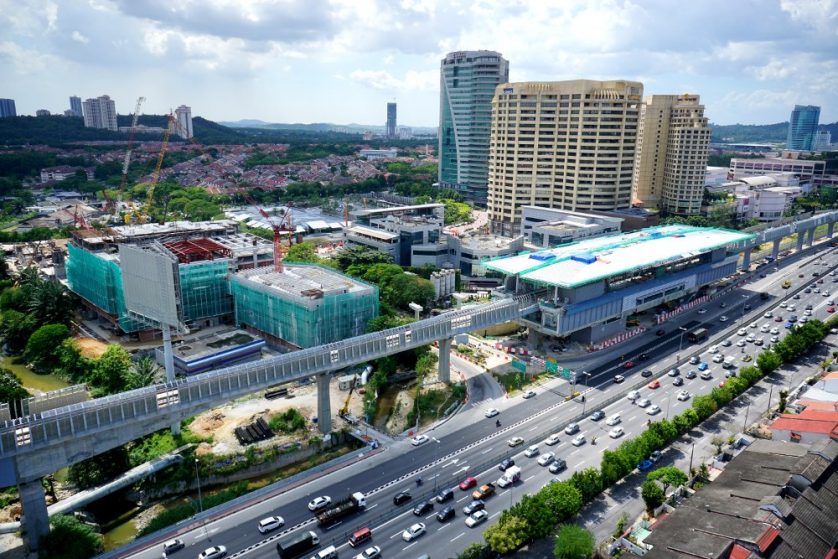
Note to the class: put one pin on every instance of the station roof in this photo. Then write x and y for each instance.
(593, 259)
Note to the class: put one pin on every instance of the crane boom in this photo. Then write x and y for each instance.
(127, 161)
(156, 175)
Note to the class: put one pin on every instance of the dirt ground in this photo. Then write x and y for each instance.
(91, 348)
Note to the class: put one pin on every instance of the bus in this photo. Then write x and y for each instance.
(697, 335)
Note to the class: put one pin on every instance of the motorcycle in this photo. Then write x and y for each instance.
(497, 423)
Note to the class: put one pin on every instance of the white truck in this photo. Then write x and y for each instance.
(730, 362)
(510, 476)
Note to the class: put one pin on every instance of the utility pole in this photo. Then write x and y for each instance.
(692, 451)
(745, 424)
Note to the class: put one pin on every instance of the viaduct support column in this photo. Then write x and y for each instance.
(811, 240)
(324, 410)
(35, 520)
(800, 237)
(829, 229)
(775, 252)
(169, 362)
(445, 360)
(746, 259)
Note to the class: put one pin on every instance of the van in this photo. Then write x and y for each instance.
(729, 362)
(360, 536)
(633, 395)
(328, 553)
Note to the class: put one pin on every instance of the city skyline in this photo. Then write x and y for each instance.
(338, 61)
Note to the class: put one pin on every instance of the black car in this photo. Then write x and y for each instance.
(660, 332)
(422, 508)
(557, 465)
(402, 497)
(507, 463)
(444, 495)
(597, 415)
(473, 507)
(690, 374)
(446, 514)
(646, 374)
(643, 357)
(723, 305)
(678, 381)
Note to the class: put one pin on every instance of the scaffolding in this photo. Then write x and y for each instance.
(204, 290)
(307, 316)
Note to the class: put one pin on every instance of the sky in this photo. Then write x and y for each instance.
(341, 61)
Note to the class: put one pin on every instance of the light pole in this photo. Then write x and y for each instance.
(680, 343)
(586, 374)
(745, 424)
(200, 499)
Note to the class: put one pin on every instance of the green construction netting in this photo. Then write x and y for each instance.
(204, 290)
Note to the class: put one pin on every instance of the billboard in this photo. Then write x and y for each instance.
(148, 279)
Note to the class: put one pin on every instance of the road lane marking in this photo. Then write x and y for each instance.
(529, 478)
(487, 450)
(494, 515)
(460, 536)
(408, 546)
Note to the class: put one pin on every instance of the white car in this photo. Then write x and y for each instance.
(817, 290)
(775, 339)
(702, 311)
(807, 312)
(683, 395)
(579, 440)
(571, 428)
(718, 358)
(713, 349)
(491, 412)
(413, 532)
(775, 331)
(753, 325)
(825, 293)
(791, 307)
(759, 341)
(633, 395)
(372, 552)
(546, 458)
(214, 552)
(419, 440)
(741, 343)
(706, 375)
(528, 394)
(476, 518)
(642, 402)
(552, 439)
(616, 432)
(270, 523)
(613, 420)
(531, 451)
(723, 318)
(768, 314)
(765, 328)
(741, 332)
(319, 503)
(750, 339)
(653, 409)
(783, 305)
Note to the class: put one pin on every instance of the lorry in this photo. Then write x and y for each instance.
(297, 545)
(344, 507)
(510, 476)
(729, 362)
(483, 491)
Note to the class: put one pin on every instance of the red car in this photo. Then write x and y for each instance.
(830, 309)
(654, 384)
(628, 364)
(468, 483)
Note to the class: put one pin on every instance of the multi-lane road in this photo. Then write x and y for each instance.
(471, 444)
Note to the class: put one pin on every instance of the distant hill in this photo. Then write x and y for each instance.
(351, 128)
(758, 133)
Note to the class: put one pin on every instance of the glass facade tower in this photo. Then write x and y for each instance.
(803, 127)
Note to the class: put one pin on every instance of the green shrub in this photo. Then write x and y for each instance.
(175, 515)
(65, 529)
(288, 421)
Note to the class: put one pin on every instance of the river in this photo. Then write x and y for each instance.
(31, 380)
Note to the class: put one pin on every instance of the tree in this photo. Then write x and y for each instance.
(652, 495)
(110, 372)
(614, 466)
(475, 551)
(17, 327)
(65, 529)
(361, 256)
(11, 388)
(99, 469)
(704, 406)
(72, 364)
(144, 372)
(668, 475)
(50, 303)
(42, 349)
(768, 362)
(588, 482)
(507, 535)
(303, 252)
(573, 542)
(532, 510)
(563, 500)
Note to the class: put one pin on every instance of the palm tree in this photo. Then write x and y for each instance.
(50, 303)
(146, 372)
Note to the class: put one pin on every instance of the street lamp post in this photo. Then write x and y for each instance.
(680, 342)
(586, 374)
(200, 499)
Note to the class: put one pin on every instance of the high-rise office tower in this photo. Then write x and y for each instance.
(7, 108)
(391, 131)
(467, 82)
(673, 142)
(75, 105)
(823, 140)
(184, 121)
(803, 126)
(567, 145)
(100, 113)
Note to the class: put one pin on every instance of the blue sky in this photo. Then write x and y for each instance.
(341, 61)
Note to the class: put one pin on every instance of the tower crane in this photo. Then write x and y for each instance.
(286, 224)
(142, 216)
(112, 205)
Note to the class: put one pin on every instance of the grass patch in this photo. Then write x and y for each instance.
(288, 421)
(432, 404)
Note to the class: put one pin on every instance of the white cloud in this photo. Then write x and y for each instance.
(78, 37)
(412, 81)
(24, 61)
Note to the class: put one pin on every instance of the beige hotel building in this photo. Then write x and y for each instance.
(567, 145)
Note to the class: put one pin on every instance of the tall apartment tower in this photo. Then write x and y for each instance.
(75, 105)
(467, 82)
(392, 132)
(184, 121)
(7, 108)
(100, 113)
(567, 145)
(803, 126)
(673, 142)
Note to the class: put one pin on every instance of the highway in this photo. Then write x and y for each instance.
(471, 445)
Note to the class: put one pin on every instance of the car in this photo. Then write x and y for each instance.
(423, 508)
(804, 320)
(723, 318)
(792, 308)
(674, 372)
(642, 402)
(646, 374)
(552, 439)
(546, 458)
(765, 328)
(528, 394)
(402, 497)
(654, 384)
(723, 305)
(491, 412)
(633, 395)
(702, 311)
(713, 349)
(778, 319)
(515, 441)
(750, 339)
(830, 302)
(474, 506)
(477, 518)
(752, 325)
(616, 432)
(796, 296)
(741, 343)
(825, 293)
(660, 332)
(613, 419)
(598, 415)
(579, 440)
(270, 523)
(741, 332)
(833, 330)
(747, 307)
(747, 358)
(830, 309)
(446, 514)
(759, 341)
(701, 367)
(571, 428)
(214, 552)
(557, 465)
(694, 360)
(531, 451)
(775, 331)
(677, 381)
(706, 375)
(319, 503)
(817, 290)
(654, 409)
(505, 464)
(372, 552)
(174, 545)
(718, 358)
(788, 325)
(628, 364)
(655, 456)
(618, 379)
(807, 312)
(643, 357)
(683, 395)
(775, 339)
(419, 440)
(445, 495)
(768, 314)
(468, 483)
(727, 343)
(645, 465)
(413, 532)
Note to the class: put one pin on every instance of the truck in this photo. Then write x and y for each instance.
(297, 545)
(510, 476)
(483, 491)
(344, 507)
(729, 362)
